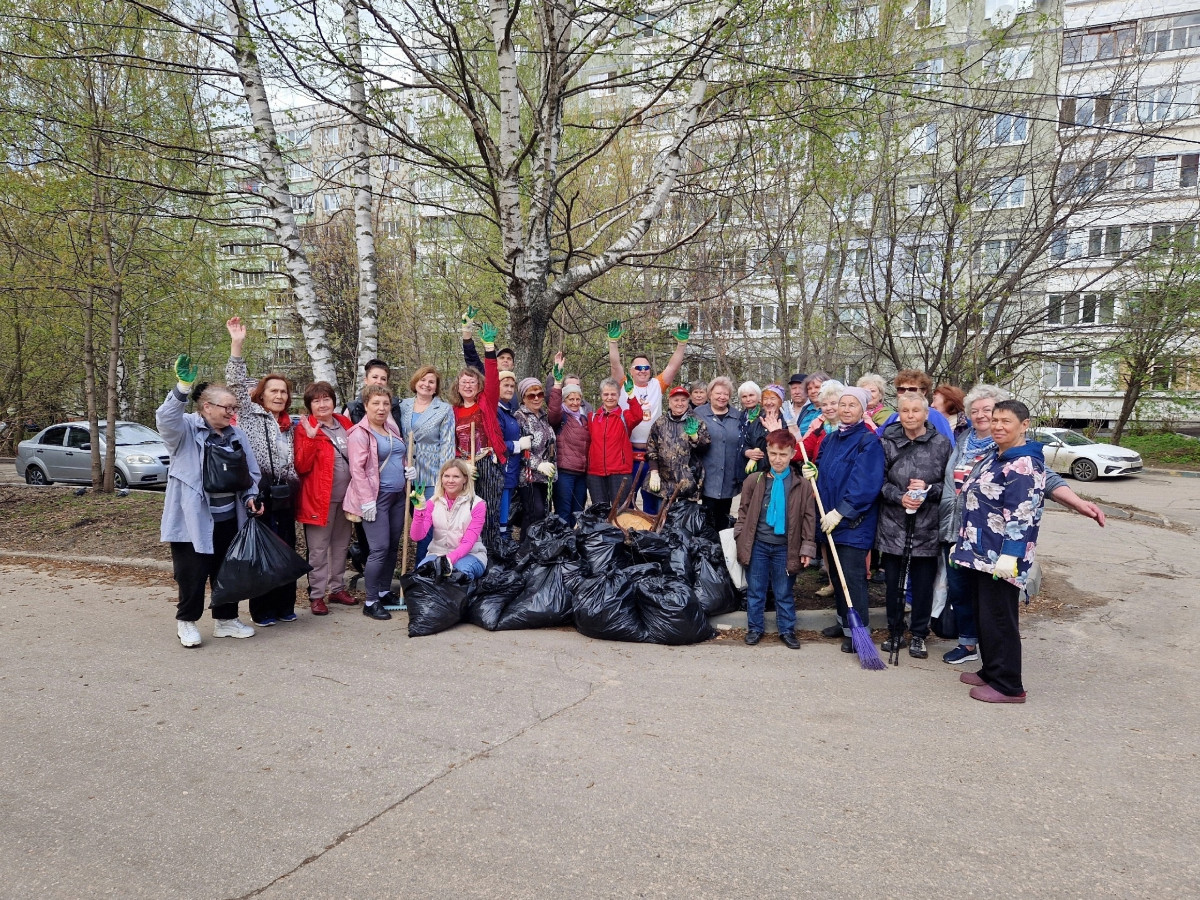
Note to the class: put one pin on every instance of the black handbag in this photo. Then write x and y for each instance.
(226, 470)
(278, 491)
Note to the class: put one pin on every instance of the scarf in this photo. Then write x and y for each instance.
(977, 446)
(777, 508)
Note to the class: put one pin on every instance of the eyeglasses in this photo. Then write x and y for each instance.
(908, 389)
(229, 410)
(641, 368)
(536, 395)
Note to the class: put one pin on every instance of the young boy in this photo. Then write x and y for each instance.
(775, 537)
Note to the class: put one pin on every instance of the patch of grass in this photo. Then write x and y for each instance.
(53, 519)
(1165, 450)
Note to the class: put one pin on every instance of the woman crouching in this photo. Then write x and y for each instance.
(455, 516)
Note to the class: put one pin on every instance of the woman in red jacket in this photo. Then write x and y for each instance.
(323, 464)
(610, 454)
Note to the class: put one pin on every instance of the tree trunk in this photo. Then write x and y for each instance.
(279, 196)
(364, 230)
(1133, 392)
(89, 380)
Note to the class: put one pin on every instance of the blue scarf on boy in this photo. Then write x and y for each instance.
(777, 508)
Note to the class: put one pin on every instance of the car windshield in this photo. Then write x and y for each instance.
(130, 434)
(1073, 438)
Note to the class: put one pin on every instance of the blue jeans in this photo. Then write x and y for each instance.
(959, 590)
(641, 471)
(768, 565)
(570, 495)
(468, 565)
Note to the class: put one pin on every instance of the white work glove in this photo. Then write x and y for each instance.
(471, 470)
(368, 511)
(524, 443)
(654, 482)
(830, 521)
(1006, 567)
(410, 473)
(548, 470)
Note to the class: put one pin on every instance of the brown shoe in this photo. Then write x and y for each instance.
(318, 607)
(989, 694)
(343, 597)
(972, 679)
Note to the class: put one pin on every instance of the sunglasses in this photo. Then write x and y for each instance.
(536, 395)
(908, 389)
(641, 368)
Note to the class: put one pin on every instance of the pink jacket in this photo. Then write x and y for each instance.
(447, 522)
(364, 465)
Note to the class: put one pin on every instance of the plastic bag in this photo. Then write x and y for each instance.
(692, 519)
(601, 545)
(546, 541)
(491, 594)
(670, 612)
(681, 561)
(712, 585)
(258, 561)
(605, 608)
(737, 574)
(649, 547)
(435, 602)
(546, 600)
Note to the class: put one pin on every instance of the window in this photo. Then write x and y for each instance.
(1103, 109)
(1105, 241)
(916, 319)
(1092, 177)
(923, 260)
(928, 73)
(1180, 33)
(1074, 373)
(1002, 193)
(855, 261)
(1155, 103)
(54, 437)
(923, 138)
(1189, 169)
(856, 24)
(1102, 42)
(1081, 309)
(917, 199)
(77, 437)
(331, 202)
(1009, 63)
(645, 24)
(863, 208)
(993, 255)
(298, 172)
(999, 12)
(1005, 128)
(302, 203)
(928, 13)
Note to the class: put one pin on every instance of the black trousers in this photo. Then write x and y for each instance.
(282, 600)
(922, 572)
(604, 488)
(995, 604)
(193, 569)
(718, 511)
(533, 501)
(489, 484)
(854, 565)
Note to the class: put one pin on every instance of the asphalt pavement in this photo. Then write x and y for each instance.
(336, 757)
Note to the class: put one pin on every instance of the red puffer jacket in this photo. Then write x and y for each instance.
(610, 452)
(314, 465)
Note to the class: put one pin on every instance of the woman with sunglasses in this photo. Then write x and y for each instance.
(916, 381)
(537, 452)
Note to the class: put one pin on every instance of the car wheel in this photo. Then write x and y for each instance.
(34, 475)
(1084, 470)
(120, 481)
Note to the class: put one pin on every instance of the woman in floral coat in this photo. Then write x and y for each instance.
(1001, 512)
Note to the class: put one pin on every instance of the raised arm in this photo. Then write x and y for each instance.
(235, 370)
(681, 335)
(615, 369)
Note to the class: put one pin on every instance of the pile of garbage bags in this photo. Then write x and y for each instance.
(609, 583)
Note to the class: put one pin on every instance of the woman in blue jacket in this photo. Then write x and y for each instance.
(849, 481)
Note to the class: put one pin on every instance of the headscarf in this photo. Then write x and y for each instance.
(863, 398)
(777, 390)
(526, 384)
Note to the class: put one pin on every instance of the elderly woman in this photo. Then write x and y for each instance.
(827, 399)
(377, 492)
(427, 422)
(722, 460)
(750, 400)
(610, 451)
(675, 437)
(201, 517)
(263, 415)
(849, 479)
(514, 444)
(452, 521)
(811, 409)
(572, 440)
(537, 453)
(323, 464)
(1001, 508)
(878, 412)
(915, 456)
(769, 418)
(697, 394)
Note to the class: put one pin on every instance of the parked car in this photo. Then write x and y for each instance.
(63, 453)
(1069, 452)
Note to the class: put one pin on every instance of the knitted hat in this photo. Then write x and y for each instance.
(525, 385)
(504, 373)
(859, 394)
(571, 389)
(776, 389)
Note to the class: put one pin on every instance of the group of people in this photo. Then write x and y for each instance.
(823, 470)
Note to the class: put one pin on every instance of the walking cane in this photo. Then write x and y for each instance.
(863, 645)
(896, 633)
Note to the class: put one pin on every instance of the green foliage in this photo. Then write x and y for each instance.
(1165, 450)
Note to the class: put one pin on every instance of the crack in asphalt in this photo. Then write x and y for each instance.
(351, 832)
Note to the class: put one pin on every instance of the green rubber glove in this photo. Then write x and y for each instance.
(751, 466)
(186, 370)
(682, 333)
(615, 331)
(691, 427)
(557, 374)
(810, 471)
(418, 495)
(629, 385)
(469, 316)
(488, 333)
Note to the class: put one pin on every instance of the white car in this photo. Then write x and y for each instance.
(1069, 452)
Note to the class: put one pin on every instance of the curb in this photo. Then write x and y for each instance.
(127, 561)
(1177, 473)
(806, 619)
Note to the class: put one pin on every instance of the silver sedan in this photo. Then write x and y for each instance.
(63, 453)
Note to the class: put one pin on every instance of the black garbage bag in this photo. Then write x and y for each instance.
(670, 611)
(712, 584)
(649, 547)
(504, 554)
(682, 560)
(435, 601)
(358, 549)
(546, 541)
(546, 600)
(601, 546)
(490, 594)
(605, 608)
(692, 519)
(258, 561)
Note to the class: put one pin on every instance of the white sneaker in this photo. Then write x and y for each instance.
(189, 634)
(233, 628)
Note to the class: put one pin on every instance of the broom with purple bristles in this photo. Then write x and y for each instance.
(868, 656)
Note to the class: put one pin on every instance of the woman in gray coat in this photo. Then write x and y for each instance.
(201, 525)
(722, 460)
(915, 456)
